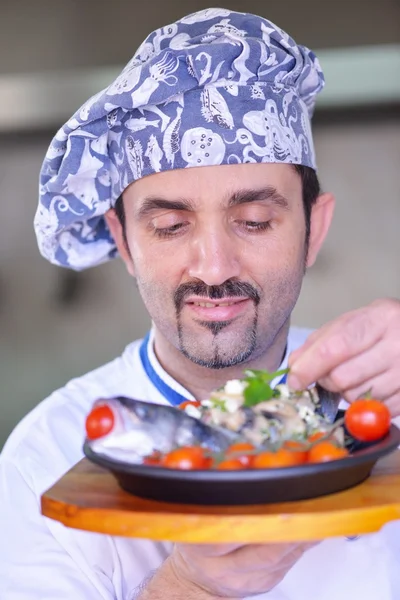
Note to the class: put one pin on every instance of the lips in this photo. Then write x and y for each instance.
(230, 292)
(212, 304)
(217, 310)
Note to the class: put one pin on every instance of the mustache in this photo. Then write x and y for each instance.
(228, 289)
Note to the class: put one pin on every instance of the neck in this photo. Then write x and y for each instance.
(201, 381)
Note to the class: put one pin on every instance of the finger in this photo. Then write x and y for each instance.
(325, 330)
(393, 404)
(256, 556)
(336, 345)
(358, 370)
(387, 310)
(382, 387)
(292, 557)
(318, 333)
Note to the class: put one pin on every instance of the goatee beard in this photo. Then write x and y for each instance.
(217, 361)
(230, 289)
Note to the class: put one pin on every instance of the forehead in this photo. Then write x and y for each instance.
(219, 181)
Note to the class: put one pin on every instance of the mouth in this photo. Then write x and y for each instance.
(207, 309)
(212, 305)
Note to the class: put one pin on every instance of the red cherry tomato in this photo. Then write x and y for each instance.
(186, 458)
(314, 437)
(241, 451)
(326, 451)
(99, 421)
(230, 464)
(281, 458)
(298, 449)
(186, 403)
(367, 419)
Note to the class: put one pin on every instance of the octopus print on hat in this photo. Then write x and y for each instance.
(202, 146)
(217, 87)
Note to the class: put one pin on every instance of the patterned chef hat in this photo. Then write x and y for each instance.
(215, 88)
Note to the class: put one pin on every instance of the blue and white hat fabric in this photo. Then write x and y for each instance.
(215, 88)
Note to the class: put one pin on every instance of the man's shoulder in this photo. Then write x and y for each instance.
(55, 427)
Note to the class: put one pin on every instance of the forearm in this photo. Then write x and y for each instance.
(165, 585)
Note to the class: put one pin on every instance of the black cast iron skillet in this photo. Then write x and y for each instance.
(258, 486)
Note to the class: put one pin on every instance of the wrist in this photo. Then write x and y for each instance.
(167, 578)
(192, 590)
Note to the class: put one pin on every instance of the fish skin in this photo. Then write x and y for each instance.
(328, 404)
(158, 427)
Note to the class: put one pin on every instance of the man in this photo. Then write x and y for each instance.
(197, 167)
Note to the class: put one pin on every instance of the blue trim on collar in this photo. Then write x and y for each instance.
(169, 394)
(283, 380)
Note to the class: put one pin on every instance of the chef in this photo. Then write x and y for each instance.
(196, 167)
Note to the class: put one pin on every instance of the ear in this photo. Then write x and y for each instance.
(321, 218)
(117, 233)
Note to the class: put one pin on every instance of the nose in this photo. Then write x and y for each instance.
(214, 256)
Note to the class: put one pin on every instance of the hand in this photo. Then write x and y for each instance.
(233, 570)
(354, 354)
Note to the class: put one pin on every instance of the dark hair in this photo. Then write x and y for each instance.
(120, 212)
(311, 190)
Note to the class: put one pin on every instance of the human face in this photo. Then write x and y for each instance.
(219, 256)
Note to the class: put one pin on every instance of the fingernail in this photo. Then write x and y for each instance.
(294, 382)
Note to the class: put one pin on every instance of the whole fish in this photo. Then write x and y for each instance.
(137, 429)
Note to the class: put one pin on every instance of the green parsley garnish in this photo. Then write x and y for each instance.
(258, 388)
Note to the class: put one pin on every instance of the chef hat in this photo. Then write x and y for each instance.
(215, 88)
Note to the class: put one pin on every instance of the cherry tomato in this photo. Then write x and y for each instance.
(230, 464)
(186, 458)
(367, 419)
(314, 437)
(99, 421)
(208, 462)
(299, 450)
(281, 458)
(326, 451)
(241, 451)
(153, 459)
(186, 403)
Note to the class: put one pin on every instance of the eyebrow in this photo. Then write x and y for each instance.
(269, 194)
(151, 204)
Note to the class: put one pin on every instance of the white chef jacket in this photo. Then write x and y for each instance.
(40, 559)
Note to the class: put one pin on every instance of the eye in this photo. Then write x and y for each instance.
(173, 230)
(255, 226)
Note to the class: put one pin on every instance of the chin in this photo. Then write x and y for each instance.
(219, 348)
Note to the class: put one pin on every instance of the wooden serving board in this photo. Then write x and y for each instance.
(88, 497)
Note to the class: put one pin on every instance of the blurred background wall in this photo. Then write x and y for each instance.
(55, 325)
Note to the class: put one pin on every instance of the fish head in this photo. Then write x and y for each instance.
(138, 428)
